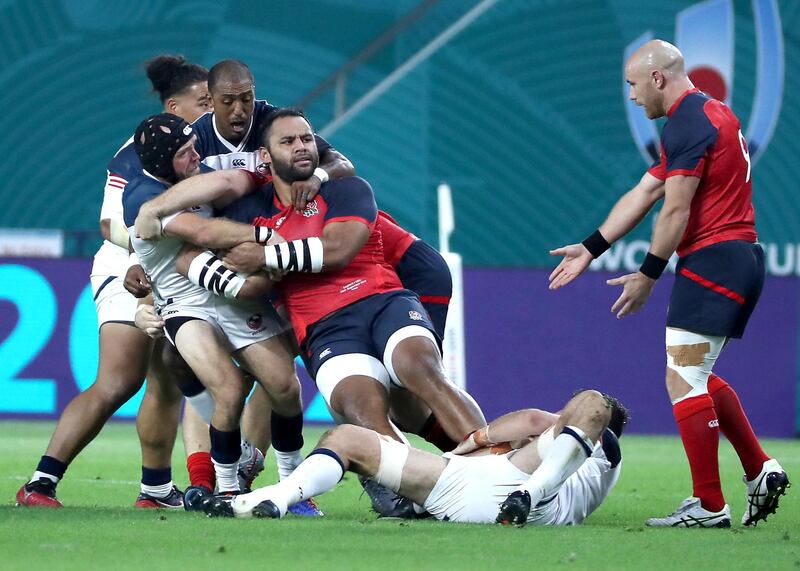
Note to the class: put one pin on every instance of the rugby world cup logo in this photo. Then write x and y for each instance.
(704, 32)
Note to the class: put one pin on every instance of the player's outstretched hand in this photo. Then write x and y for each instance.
(149, 321)
(136, 282)
(246, 258)
(636, 290)
(304, 191)
(576, 259)
(147, 226)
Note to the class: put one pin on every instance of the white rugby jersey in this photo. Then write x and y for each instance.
(157, 257)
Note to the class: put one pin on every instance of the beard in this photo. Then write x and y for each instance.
(289, 172)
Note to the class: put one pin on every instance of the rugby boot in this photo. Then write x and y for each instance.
(268, 510)
(387, 503)
(193, 498)
(40, 493)
(691, 514)
(515, 509)
(764, 491)
(219, 505)
(173, 500)
(306, 508)
(251, 464)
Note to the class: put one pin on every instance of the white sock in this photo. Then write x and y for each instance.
(203, 403)
(315, 475)
(287, 462)
(227, 478)
(565, 456)
(160, 491)
(38, 475)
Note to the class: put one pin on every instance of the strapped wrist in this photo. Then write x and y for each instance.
(262, 234)
(653, 266)
(596, 244)
(304, 255)
(321, 174)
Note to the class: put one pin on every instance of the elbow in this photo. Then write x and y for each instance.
(334, 263)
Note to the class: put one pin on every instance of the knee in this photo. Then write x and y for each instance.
(338, 436)
(117, 391)
(594, 406)
(284, 388)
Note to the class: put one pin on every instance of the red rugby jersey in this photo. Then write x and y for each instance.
(311, 297)
(396, 239)
(703, 138)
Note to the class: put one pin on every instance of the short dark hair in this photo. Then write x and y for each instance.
(170, 75)
(619, 415)
(279, 113)
(228, 69)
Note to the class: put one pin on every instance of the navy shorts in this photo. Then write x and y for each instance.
(423, 270)
(363, 327)
(716, 288)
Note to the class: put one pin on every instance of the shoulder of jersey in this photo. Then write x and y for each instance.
(126, 162)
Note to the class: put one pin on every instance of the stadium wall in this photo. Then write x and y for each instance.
(526, 346)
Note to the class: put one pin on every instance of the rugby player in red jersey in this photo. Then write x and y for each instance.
(359, 330)
(704, 178)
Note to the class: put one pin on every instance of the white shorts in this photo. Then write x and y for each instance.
(239, 323)
(112, 300)
(471, 489)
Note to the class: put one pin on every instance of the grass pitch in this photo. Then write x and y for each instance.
(101, 530)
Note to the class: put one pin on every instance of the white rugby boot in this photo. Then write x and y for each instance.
(764, 491)
(691, 514)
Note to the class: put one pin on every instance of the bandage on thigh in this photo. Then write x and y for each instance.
(692, 356)
(393, 460)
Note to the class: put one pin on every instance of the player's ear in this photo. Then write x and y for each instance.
(265, 156)
(171, 105)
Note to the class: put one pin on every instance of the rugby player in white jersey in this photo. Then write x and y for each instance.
(568, 462)
(206, 329)
(124, 351)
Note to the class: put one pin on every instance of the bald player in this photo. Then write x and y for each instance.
(707, 216)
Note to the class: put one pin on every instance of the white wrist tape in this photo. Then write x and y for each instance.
(303, 255)
(262, 234)
(118, 233)
(321, 174)
(133, 260)
(208, 271)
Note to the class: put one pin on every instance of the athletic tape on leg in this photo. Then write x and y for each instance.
(692, 356)
(393, 460)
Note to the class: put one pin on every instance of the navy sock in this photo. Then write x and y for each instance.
(287, 432)
(226, 445)
(52, 466)
(156, 476)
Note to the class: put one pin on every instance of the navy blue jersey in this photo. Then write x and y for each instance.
(139, 190)
(125, 164)
(219, 153)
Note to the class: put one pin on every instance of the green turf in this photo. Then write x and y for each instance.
(100, 529)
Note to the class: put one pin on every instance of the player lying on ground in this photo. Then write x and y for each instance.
(566, 463)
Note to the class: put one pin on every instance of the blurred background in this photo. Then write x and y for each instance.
(519, 106)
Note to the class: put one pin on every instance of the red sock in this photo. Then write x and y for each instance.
(201, 470)
(735, 426)
(699, 429)
(433, 432)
